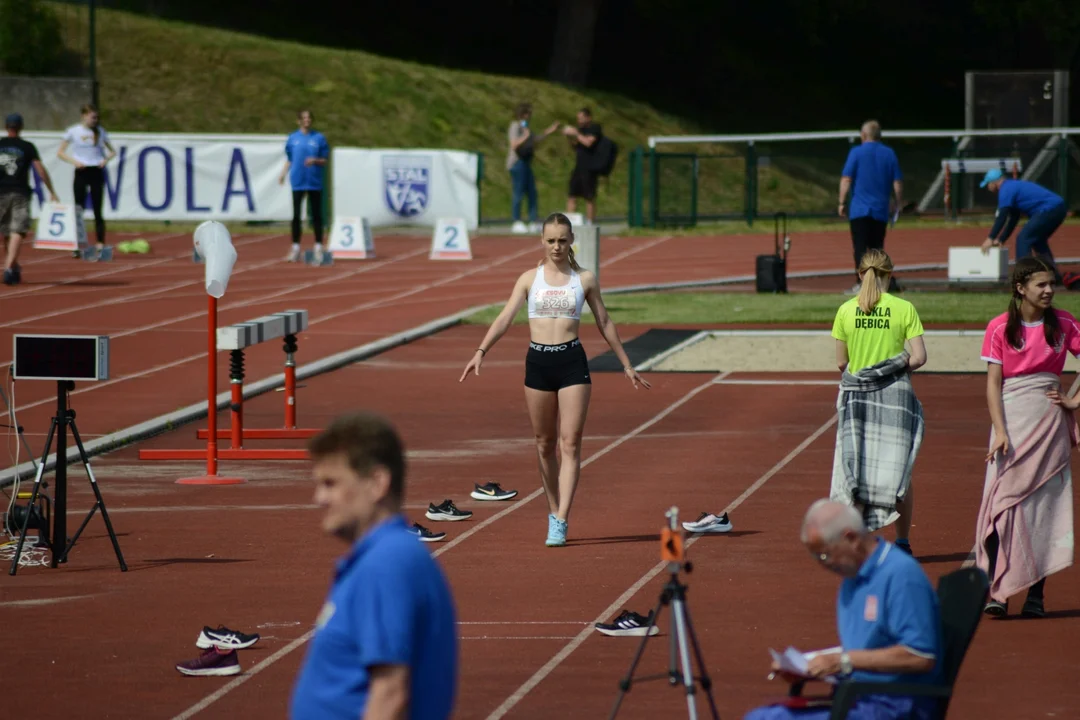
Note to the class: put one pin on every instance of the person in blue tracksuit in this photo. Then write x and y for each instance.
(872, 175)
(1045, 211)
(306, 154)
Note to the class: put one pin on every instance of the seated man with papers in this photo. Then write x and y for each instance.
(887, 617)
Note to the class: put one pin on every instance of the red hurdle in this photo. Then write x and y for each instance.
(236, 338)
(214, 244)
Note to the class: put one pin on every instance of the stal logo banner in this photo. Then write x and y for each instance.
(406, 187)
(408, 183)
(179, 177)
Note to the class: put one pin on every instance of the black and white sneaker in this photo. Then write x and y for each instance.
(446, 511)
(629, 624)
(426, 535)
(492, 491)
(223, 638)
(709, 523)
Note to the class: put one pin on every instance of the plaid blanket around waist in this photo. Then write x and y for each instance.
(879, 432)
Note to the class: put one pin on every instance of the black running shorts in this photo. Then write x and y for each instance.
(553, 367)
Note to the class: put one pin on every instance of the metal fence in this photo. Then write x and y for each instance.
(683, 180)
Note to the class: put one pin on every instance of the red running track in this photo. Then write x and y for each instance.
(252, 556)
(153, 306)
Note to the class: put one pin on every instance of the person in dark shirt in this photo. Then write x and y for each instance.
(1045, 209)
(16, 158)
(583, 179)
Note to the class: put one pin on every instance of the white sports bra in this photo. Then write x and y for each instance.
(548, 301)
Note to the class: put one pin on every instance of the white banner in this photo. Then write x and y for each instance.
(179, 177)
(406, 187)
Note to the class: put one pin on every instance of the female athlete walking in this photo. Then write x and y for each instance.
(557, 384)
(1025, 525)
(91, 151)
(880, 419)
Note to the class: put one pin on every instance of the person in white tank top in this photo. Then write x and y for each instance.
(86, 146)
(557, 383)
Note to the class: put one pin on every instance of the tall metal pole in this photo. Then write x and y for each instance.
(93, 54)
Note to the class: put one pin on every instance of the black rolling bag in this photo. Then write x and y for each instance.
(771, 270)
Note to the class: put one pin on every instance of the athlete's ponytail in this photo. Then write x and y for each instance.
(875, 268)
(573, 261)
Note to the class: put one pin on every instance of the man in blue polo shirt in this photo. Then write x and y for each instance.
(872, 173)
(887, 616)
(1045, 210)
(306, 151)
(385, 642)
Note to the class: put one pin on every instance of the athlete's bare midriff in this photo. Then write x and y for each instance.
(553, 331)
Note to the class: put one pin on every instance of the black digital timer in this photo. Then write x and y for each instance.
(61, 357)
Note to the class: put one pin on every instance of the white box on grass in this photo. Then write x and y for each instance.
(969, 263)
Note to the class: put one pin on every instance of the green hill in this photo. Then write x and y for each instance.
(160, 76)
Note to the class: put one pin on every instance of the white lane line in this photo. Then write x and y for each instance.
(121, 269)
(126, 298)
(634, 251)
(422, 288)
(191, 316)
(574, 644)
(256, 669)
(42, 601)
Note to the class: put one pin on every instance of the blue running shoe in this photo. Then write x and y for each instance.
(556, 532)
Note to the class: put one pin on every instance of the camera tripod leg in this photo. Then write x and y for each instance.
(33, 499)
(99, 504)
(706, 681)
(677, 611)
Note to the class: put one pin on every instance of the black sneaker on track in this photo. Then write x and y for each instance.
(426, 535)
(212, 662)
(491, 491)
(629, 624)
(446, 511)
(223, 638)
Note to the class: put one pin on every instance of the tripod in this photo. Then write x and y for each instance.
(674, 593)
(60, 546)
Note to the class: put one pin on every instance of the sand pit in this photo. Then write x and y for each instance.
(809, 351)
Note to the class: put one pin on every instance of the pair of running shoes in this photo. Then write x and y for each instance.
(634, 624)
(446, 511)
(219, 657)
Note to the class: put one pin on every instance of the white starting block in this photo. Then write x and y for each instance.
(260, 330)
(969, 264)
(60, 227)
(350, 239)
(450, 241)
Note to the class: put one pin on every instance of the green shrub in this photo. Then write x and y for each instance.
(30, 39)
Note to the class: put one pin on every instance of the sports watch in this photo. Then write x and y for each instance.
(845, 664)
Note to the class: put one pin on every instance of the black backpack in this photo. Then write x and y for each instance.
(604, 156)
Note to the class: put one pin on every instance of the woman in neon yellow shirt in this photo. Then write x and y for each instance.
(880, 426)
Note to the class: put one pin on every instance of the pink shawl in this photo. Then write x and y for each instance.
(1027, 496)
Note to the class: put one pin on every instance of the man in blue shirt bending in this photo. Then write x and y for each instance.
(1045, 210)
(887, 615)
(306, 152)
(385, 642)
(872, 173)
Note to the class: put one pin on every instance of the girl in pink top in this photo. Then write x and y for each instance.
(1025, 525)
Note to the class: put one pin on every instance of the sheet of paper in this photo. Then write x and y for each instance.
(797, 662)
